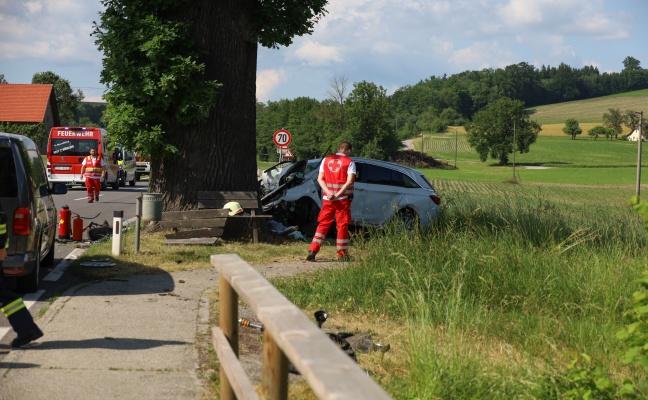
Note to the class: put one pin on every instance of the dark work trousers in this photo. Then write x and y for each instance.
(14, 309)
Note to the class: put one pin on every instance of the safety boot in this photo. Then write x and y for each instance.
(22, 323)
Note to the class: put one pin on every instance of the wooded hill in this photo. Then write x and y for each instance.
(376, 123)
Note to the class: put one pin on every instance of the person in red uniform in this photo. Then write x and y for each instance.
(13, 306)
(93, 167)
(336, 177)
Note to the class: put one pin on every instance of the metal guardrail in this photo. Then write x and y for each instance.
(288, 335)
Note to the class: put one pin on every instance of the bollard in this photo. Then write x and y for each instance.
(138, 215)
(118, 216)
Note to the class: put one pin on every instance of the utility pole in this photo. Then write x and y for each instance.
(514, 181)
(456, 146)
(638, 189)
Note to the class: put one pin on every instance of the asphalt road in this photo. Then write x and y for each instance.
(54, 280)
(122, 199)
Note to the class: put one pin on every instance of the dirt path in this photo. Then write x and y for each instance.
(408, 144)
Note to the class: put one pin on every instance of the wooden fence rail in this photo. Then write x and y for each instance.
(289, 335)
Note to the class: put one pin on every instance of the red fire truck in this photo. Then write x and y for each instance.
(68, 146)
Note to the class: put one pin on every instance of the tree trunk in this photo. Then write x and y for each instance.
(218, 153)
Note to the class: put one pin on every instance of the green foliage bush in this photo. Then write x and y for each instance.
(585, 380)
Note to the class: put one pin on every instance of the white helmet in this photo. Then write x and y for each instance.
(234, 208)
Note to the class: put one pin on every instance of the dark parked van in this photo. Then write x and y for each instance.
(31, 215)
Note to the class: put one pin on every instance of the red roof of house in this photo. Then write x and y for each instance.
(24, 102)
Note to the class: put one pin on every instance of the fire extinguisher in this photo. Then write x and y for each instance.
(65, 216)
(77, 228)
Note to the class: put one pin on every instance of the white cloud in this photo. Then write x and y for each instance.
(317, 55)
(481, 55)
(268, 80)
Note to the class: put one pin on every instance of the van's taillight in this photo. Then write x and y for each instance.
(21, 221)
(436, 199)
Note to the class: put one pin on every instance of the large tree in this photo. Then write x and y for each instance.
(572, 128)
(501, 123)
(67, 100)
(368, 128)
(614, 119)
(181, 80)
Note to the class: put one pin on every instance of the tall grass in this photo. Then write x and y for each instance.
(495, 295)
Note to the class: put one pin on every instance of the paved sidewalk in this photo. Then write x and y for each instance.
(131, 338)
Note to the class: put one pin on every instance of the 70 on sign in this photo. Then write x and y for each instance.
(281, 137)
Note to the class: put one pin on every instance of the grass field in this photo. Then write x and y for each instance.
(591, 110)
(551, 160)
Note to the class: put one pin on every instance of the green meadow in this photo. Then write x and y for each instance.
(519, 289)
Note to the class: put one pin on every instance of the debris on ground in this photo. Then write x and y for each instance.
(417, 159)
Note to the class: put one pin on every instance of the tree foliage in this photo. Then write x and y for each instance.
(571, 128)
(494, 130)
(163, 79)
(66, 98)
(36, 132)
(614, 120)
(601, 131)
(181, 84)
(368, 126)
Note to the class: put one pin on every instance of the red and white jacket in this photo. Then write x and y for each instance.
(337, 168)
(93, 168)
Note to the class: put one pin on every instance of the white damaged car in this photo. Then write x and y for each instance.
(383, 192)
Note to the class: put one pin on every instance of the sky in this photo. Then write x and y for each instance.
(392, 43)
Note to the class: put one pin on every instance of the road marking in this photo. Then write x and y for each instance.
(31, 298)
(61, 267)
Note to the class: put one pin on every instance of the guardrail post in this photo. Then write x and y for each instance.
(229, 326)
(274, 373)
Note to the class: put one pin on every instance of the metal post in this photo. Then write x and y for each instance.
(456, 146)
(138, 216)
(422, 143)
(638, 190)
(514, 151)
(118, 216)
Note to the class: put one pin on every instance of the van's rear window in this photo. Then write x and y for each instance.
(8, 178)
(76, 147)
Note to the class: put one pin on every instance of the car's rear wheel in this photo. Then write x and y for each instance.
(132, 182)
(408, 219)
(48, 261)
(104, 184)
(29, 283)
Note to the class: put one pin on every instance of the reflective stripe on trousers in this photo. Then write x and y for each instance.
(13, 307)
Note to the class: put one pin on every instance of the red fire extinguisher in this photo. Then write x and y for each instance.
(65, 216)
(77, 228)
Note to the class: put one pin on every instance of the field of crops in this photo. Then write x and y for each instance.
(590, 110)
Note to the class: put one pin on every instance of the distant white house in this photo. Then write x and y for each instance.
(634, 136)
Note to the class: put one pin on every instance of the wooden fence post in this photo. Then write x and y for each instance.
(229, 326)
(274, 373)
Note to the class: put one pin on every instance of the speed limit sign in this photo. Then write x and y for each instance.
(281, 137)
